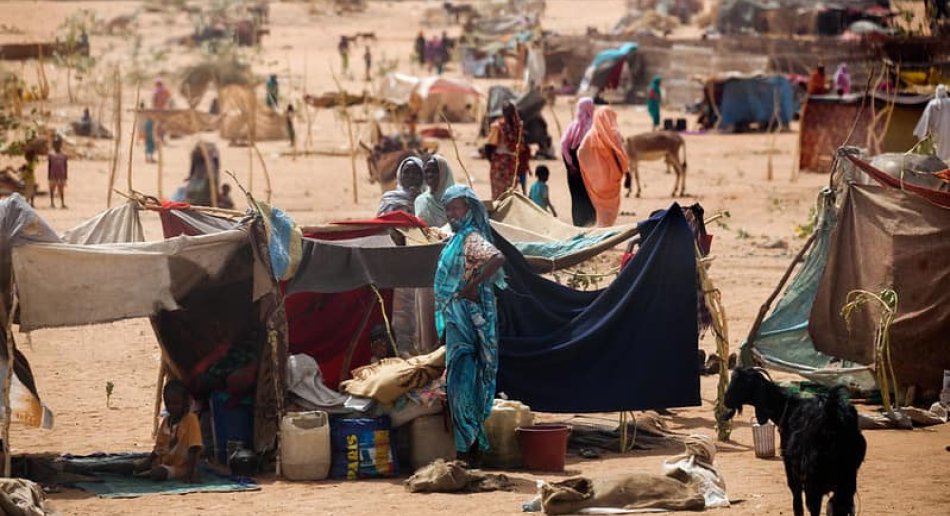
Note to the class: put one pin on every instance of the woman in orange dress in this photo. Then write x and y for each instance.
(603, 163)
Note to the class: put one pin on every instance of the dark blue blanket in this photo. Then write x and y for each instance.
(631, 346)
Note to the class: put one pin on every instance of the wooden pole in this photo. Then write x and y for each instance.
(251, 130)
(118, 132)
(212, 187)
(159, 387)
(764, 309)
(349, 134)
(267, 187)
(161, 159)
(135, 119)
(8, 380)
(458, 157)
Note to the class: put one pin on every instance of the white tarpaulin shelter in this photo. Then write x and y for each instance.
(457, 98)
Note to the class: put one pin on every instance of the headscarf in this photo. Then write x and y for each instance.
(603, 164)
(842, 78)
(578, 129)
(402, 198)
(450, 273)
(429, 204)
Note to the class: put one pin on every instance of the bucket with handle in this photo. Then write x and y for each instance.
(763, 439)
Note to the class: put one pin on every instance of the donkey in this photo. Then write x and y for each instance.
(654, 146)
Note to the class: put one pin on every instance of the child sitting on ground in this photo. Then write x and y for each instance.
(224, 198)
(539, 190)
(179, 439)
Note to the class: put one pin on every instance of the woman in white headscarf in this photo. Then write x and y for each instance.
(438, 177)
(935, 122)
(409, 181)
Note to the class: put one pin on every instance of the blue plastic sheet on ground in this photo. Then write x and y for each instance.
(631, 346)
(121, 486)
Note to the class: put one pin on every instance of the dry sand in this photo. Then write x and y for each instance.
(905, 472)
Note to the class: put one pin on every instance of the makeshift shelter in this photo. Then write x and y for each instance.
(631, 346)
(19, 226)
(431, 96)
(244, 119)
(221, 277)
(878, 121)
(911, 239)
(617, 69)
(738, 16)
(806, 333)
(530, 105)
(734, 102)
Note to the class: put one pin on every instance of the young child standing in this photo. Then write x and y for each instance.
(179, 438)
(58, 171)
(539, 190)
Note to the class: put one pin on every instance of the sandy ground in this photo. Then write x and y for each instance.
(905, 472)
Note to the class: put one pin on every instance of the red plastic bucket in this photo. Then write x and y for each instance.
(544, 446)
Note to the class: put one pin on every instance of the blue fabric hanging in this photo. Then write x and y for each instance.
(631, 346)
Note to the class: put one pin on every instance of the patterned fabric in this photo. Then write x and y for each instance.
(509, 144)
(470, 327)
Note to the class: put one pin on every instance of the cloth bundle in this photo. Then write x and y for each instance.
(390, 378)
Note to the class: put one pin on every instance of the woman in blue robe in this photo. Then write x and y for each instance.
(466, 318)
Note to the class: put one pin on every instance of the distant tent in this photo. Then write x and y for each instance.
(433, 95)
(828, 120)
(613, 69)
(735, 102)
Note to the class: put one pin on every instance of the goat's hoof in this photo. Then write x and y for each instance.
(638, 195)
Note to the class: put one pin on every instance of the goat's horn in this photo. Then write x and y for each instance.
(763, 371)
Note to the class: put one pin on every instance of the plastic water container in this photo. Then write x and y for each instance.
(763, 439)
(305, 446)
(544, 446)
(503, 448)
(432, 439)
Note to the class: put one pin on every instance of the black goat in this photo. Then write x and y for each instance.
(822, 445)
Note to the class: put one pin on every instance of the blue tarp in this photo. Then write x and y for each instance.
(631, 346)
(782, 341)
(613, 54)
(753, 101)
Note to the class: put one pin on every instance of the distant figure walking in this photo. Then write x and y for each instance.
(419, 46)
(818, 81)
(507, 151)
(368, 62)
(935, 122)
(654, 100)
(343, 47)
(57, 173)
(842, 80)
(291, 133)
(582, 211)
(604, 163)
(161, 97)
(273, 92)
